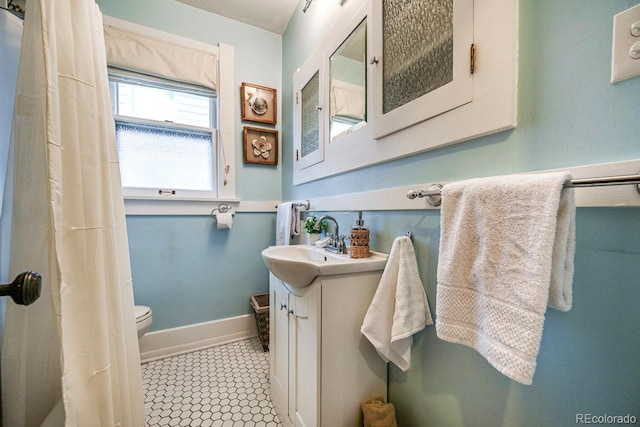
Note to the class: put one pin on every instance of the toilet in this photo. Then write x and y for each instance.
(143, 319)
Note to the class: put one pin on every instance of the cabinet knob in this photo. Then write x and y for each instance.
(374, 60)
(283, 306)
(290, 312)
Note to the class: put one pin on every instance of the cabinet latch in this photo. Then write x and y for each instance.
(472, 66)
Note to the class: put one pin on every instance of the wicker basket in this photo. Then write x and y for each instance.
(260, 305)
(359, 243)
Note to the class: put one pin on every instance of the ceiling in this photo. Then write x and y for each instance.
(272, 15)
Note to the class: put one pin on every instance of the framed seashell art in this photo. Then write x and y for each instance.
(260, 145)
(259, 103)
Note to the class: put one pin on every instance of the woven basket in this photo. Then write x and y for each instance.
(359, 243)
(260, 305)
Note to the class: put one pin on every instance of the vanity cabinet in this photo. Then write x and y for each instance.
(321, 367)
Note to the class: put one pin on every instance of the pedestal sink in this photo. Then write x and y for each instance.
(299, 265)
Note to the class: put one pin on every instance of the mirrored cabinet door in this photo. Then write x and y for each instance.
(348, 84)
(308, 123)
(421, 61)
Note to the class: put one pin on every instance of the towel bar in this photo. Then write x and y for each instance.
(304, 204)
(433, 193)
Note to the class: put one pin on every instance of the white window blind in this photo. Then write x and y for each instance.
(152, 55)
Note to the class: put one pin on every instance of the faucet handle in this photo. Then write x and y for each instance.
(342, 246)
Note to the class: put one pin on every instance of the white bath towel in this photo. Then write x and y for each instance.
(399, 307)
(506, 252)
(287, 222)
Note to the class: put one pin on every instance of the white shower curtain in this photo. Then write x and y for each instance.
(71, 358)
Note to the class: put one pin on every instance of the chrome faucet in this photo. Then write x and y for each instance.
(336, 242)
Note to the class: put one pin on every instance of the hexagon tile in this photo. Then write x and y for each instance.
(223, 386)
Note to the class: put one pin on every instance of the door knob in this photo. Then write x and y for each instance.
(25, 288)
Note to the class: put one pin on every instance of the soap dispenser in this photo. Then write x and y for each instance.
(359, 239)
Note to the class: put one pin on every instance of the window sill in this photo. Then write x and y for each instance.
(141, 205)
(173, 205)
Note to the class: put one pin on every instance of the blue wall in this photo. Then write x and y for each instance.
(183, 267)
(568, 115)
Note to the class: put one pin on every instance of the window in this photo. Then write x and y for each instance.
(165, 137)
(174, 102)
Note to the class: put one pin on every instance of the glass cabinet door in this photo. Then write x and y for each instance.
(308, 123)
(422, 60)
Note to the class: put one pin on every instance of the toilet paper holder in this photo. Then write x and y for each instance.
(223, 215)
(222, 208)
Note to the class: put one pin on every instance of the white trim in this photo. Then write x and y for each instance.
(185, 339)
(395, 199)
(184, 206)
(226, 122)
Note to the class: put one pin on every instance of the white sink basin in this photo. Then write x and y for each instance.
(299, 265)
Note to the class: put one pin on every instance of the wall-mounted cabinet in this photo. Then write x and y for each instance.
(396, 78)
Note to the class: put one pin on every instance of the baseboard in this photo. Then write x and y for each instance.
(171, 342)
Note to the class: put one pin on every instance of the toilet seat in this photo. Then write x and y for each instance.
(143, 319)
(142, 313)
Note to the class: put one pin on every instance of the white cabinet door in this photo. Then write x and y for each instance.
(279, 346)
(305, 340)
(421, 61)
(308, 117)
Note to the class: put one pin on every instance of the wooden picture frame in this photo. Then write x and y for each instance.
(259, 103)
(260, 145)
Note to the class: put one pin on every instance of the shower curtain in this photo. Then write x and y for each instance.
(71, 358)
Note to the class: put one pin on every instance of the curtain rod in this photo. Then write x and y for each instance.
(434, 191)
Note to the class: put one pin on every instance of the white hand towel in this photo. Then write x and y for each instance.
(399, 307)
(506, 252)
(287, 222)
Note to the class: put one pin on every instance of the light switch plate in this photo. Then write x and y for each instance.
(623, 66)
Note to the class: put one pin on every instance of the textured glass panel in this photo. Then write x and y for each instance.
(417, 49)
(310, 117)
(160, 157)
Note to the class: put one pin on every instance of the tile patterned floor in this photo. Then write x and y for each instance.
(223, 386)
